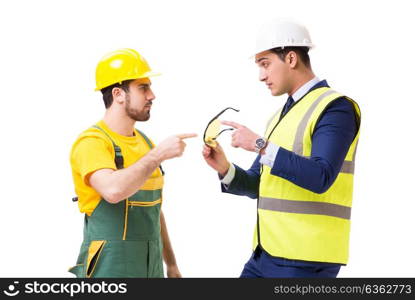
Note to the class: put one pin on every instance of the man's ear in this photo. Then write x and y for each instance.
(118, 94)
(292, 59)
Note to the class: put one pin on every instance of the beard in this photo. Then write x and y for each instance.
(134, 113)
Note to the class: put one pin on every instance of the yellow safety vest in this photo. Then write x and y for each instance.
(294, 222)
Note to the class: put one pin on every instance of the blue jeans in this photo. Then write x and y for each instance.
(261, 264)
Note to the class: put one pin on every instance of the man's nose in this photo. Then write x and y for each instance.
(262, 76)
(150, 95)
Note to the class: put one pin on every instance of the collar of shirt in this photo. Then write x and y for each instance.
(304, 89)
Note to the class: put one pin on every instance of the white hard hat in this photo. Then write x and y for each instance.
(282, 33)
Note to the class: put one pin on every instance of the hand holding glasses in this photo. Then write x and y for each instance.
(212, 130)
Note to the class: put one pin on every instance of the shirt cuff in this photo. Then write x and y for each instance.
(270, 154)
(227, 179)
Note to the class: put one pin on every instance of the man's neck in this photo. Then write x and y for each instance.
(123, 126)
(300, 80)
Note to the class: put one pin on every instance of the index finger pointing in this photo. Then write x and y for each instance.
(186, 135)
(232, 124)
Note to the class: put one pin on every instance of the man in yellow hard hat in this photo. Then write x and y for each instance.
(118, 178)
(303, 173)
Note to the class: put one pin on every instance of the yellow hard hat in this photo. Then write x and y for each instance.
(120, 65)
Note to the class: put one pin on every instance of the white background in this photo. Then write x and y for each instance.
(48, 54)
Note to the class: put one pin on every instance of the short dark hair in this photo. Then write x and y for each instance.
(302, 52)
(107, 91)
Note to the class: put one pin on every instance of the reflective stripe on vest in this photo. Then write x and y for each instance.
(305, 207)
(294, 222)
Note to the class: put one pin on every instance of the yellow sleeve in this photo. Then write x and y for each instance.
(91, 154)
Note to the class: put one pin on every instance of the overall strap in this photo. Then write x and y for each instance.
(149, 143)
(119, 159)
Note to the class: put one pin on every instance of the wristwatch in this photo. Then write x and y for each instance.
(260, 144)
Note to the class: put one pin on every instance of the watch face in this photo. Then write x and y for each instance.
(260, 143)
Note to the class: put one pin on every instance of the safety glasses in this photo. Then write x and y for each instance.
(212, 130)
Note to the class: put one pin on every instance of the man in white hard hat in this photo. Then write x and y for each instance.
(303, 174)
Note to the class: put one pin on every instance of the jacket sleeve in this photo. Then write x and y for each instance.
(245, 182)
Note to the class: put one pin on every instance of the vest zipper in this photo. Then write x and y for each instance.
(260, 174)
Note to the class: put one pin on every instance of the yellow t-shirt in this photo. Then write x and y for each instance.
(92, 151)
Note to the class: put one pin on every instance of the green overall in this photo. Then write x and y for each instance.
(123, 239)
